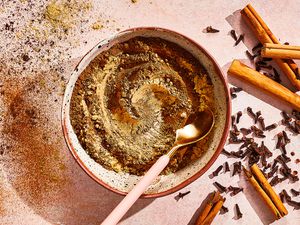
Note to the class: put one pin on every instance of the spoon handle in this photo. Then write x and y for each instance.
(115, 216)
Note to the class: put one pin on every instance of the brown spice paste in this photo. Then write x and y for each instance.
(130, 100)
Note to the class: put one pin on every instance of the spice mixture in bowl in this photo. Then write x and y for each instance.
(129, 95)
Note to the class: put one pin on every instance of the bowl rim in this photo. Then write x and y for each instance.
(197, 174)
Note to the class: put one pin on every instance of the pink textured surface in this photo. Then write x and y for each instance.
(84, 201)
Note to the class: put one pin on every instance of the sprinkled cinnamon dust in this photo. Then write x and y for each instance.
(33, 164)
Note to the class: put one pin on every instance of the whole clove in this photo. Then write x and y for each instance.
(220, 187)
(237, 154)
(257, 47)
(266, 59)
(285, 158)
(283, 149)
(245, 131)
(181, 195)
(233, 35)
(293, 203)
(238, 116)
(251, 113)
(276, 75)
(250, 56)
(240, 38)
(217, 171)
(294, 192)
(286, 116)
(226, 152)
(275, 180)
(226, 167)
(232, 120)
(279, 140)
(272, 172)
(237, 89)
(238, 212)
(237, 168)
(235, 140)
(223, 210)
(296, 114)
(233, 95)
(246, 153)
(257, 132)
(286, 195)
(261, 121)
(271, 127)
(297, 73)
(210, 29)
(234, 190)
(263, 160)
(257, 115)
(264, 148)
(285, 137)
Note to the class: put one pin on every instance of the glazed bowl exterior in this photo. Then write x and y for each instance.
(122, 183)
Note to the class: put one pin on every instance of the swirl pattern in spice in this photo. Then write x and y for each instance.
(130, 100)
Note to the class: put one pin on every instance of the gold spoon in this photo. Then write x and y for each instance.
(201, 126)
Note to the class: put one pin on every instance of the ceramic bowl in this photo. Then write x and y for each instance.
(122, 183)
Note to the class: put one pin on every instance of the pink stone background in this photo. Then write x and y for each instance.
(91, 202)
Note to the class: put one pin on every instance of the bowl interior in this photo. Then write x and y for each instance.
(164, 184)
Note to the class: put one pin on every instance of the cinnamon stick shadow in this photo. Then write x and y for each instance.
(256, 202)
(199, 210)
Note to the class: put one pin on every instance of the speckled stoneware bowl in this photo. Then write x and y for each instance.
(122, 183)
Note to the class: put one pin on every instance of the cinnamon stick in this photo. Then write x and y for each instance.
(214, 198)
(212, 214)
(280, 51)
(265, 84)
(262, 193)
(264, 35)
(269, 190)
